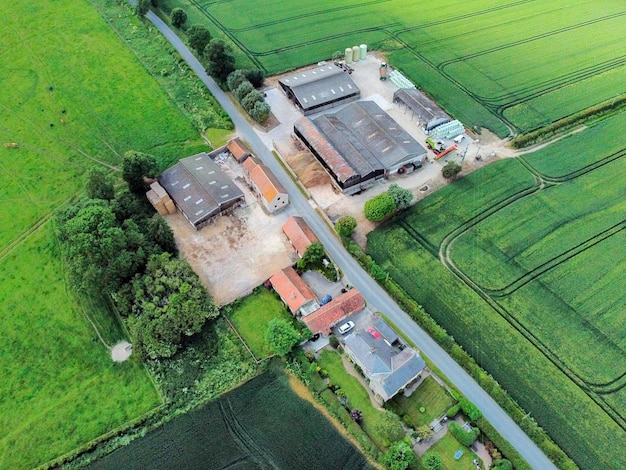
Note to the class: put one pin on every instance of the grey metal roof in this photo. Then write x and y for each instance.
(419, 103)
(323, 84)
(199, 187)
(367, 137)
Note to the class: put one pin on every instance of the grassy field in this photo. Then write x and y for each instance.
(59, 385)
(429, 395)
(239, 431)
(252, 315)
(532, 271)
(73, 97)
(511, 67)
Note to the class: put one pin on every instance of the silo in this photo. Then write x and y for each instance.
(356, 52)
(348, 55)
(363, 51)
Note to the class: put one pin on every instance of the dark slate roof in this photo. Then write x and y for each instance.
(199, 187)
(385, 330)
(407, 365)
(377, 360)
(319, 85)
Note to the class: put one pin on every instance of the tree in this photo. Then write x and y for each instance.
(100, 184)
(221, 61)
(378, 273)
(236, 78)
(166, 303)
(198, 37)
(260, 112)
(390, 427)
(432, 461)
(379, 207)
(135, 167)
(242, 90)
(401, 196)
(142, 7)
(502, 464)
(251, 99)
(424, 432)
(400, 456)
(179, 17)
(450, 170)
(154, 3)
(281, 336)
(160, 234)
(312, 256)
(255, 77)
(345, 225)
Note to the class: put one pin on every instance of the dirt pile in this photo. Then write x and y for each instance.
(309, 171)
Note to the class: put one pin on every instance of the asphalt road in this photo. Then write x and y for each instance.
(372, 292)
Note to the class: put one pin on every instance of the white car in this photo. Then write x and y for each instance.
(459, 138)
(347, 326)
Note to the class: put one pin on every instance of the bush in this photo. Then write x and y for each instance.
(345, 225)
(450, 170)
(469, 409)
(242, 90)
(255, 77)
(379, 207)
(453, 411)
(432, 461)
(179, 17)
(260, 112)
(400, 456)
(390, 427)
(464, 437)
(236, 78)
(251, 99)
(401, 196)
(334, 342)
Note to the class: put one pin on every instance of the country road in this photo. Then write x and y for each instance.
(372, 292)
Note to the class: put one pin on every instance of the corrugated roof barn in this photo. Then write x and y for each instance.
(359, 144)
(320, 88)
(200, 189)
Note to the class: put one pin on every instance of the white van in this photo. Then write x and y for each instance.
(459, 138)
(343, 329)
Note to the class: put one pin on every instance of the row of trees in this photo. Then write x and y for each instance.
(243, 84)
(384, 205)
(117, 247)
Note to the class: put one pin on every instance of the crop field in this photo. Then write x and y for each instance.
(532, 273)
(510, 66)
(239, 431)
(73, 96)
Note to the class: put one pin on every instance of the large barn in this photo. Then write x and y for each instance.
(200, 189)
(359, 144)
(320, 88)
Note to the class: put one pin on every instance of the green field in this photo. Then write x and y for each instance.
(509, 66)
(240, 430)
(532, 271)
(251, 317)
(73, 96)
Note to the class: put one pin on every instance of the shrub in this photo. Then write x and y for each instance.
(242, 90)
(255, 77)
(260, 112)
(236, 78)
(432, 461)
(345, 225)
(469, 409)
(379, 207)
(390, 427)
(251, 99)
(453, 411)
(450, 170)
(401, 196)
(334, 342)
(400, 456)
(464, 437)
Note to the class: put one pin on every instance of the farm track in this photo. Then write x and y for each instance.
(6, 251)
(243, 438)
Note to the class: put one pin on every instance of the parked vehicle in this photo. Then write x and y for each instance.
(383, 71)
(347, 326)
(327, 298)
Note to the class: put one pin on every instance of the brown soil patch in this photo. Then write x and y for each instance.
(303, 392)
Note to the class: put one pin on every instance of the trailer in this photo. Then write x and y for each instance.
(383, 71)
(446, 151)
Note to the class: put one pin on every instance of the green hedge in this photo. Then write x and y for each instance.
(464, 437)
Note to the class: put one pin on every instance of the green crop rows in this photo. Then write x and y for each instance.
(509, 66)
(526, 272)
(240, 430)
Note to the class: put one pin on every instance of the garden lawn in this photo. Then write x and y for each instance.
(447, 446)
(60, 387)
(251, 317)
(358, 396)
(430, 395)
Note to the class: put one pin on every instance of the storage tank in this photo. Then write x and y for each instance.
(356, 53)
(363, 51)
(348, 55)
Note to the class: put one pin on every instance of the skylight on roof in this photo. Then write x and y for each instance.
(211, 172)
(224, 187)
(199, 168)
(187, 198)
(212, 182)
(199, 201)
(187, 185)
(225, 195)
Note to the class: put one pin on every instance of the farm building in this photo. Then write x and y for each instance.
(238, 150)
(333, 312)
(359, 144)
(160, 200)
(267, 188)
(422, 106)
(200, 189)
(299, 234)
(294, 292)
(320, 88)
(389, 365)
